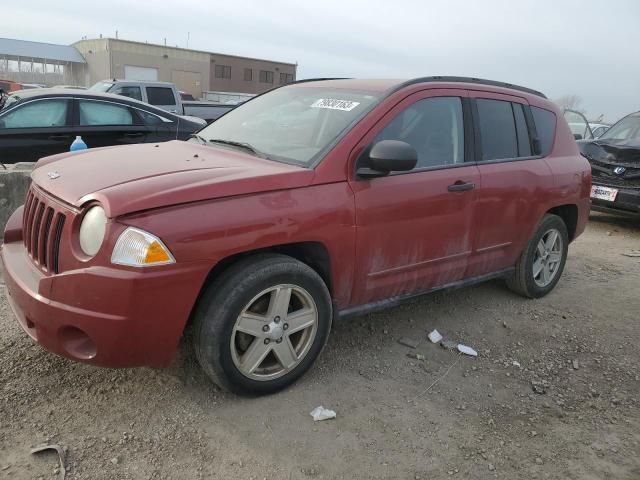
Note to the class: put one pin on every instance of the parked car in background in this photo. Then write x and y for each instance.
(73, 87)
(163, 95)
(41, 122)
(261, 239)
(578, 124)
(615, 164)
(9, 86)
(598, 128)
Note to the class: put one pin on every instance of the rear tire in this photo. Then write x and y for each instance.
(541, 264)
(262, 324)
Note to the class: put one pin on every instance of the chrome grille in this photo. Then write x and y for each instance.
(42, 225)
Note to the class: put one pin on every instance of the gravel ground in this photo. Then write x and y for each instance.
(554, 393)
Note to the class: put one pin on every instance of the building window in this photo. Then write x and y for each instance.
(248, 75)
(223, 71)
(266, 76)
(286, 78)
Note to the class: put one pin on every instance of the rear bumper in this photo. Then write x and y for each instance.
(627, 202)
(102, 315)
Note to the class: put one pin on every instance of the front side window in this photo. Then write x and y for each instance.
(37, 114)
(292, 124)
(131, 92)
(434, 127)
(160, 96)
(103, 113)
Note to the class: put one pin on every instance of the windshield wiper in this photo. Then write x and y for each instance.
(246, 146)
(198, 137)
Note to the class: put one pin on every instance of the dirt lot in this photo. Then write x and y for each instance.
(555, 393)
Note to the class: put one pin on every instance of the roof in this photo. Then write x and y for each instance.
(381, 85)
(48, 51)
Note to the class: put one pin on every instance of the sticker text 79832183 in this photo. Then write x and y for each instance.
(334, 104)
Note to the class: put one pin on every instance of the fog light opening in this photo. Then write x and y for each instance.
(77, 343)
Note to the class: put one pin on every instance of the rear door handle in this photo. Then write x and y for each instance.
(58, 137)
(461, 186)
(136, 134)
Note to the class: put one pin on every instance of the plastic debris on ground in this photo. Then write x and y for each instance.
(449, 344)
(320, 413)
(435, 336)
(467, 350)
(61, 457)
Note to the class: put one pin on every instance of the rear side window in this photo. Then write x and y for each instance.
(545, 127)
(103, 113)
(160, 96)
(497, 129)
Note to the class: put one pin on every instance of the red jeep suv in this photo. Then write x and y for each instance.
(313, 202)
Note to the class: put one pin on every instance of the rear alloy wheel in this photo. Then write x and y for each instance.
(540, 265)
(262, 324)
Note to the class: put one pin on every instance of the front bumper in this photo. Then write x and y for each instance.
(103, 315)
(627, 201)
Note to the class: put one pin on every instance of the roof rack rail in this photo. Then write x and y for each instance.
(480, 81)
(305, 80)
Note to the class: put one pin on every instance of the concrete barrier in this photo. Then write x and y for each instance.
(14, 183)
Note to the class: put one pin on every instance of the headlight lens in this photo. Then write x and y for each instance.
(137, 248)
(92, 230)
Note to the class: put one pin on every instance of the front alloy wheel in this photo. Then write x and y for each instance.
(274, 332)
(262, 323)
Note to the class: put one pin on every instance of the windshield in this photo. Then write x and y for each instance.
(625, 130)
(101, 87)
(291, 124)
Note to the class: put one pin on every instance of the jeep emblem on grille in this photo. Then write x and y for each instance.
(53, 175)
(619, 170)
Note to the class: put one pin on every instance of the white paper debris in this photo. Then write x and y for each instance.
(435, 336)
(467, 350)
(516, 363)
(320, 413)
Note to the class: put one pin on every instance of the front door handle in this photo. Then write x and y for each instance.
(58, 137)
(460, 186)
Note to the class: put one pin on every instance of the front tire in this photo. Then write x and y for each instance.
(262, 324)
(541, 264)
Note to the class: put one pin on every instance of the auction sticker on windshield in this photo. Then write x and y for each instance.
(334, 104)
(603, 193)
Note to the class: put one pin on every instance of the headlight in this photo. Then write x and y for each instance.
(137, 248)
(92, 230)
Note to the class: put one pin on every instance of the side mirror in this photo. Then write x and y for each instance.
(577, 136)
(388, 156)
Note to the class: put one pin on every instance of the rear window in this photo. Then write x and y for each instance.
(545, 127)
(497, 130)
(160, 96)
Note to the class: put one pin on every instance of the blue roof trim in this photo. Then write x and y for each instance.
(48, 51)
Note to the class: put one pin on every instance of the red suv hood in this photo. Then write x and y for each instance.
(139, 177)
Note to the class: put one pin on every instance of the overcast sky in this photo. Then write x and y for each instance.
(557, 46)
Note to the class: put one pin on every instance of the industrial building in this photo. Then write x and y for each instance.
(91, 60)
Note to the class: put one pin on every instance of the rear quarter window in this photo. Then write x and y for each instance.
(545, 127)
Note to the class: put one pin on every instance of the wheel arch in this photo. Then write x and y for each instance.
(312, 253)
(569, 215)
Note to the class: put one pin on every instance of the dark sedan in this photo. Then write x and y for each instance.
(615, 166)
(42, 122)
